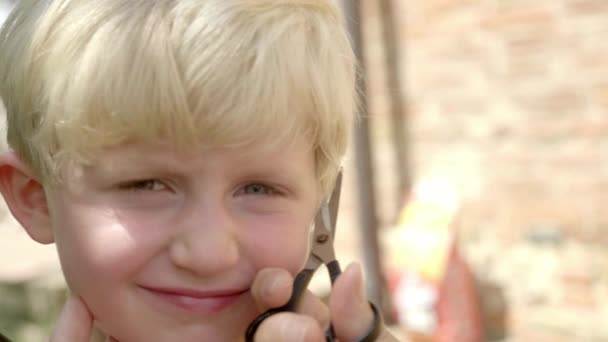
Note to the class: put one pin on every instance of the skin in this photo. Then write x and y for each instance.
(142, 224)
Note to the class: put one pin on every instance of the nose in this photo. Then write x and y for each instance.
(206, 242)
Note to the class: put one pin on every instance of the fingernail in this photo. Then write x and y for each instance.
(300, 329)
(358, 275)
(279, 283)
(294, 330)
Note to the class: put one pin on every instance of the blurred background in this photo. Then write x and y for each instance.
(476, 185)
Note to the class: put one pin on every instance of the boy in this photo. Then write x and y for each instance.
(176, 152)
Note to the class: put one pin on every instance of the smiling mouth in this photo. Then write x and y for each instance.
(193, 301)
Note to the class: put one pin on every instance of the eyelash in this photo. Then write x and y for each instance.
(141, 185)
(267, 189)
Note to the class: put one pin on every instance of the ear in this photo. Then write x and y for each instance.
(25, 197)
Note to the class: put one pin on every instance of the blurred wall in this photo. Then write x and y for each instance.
(509, 100)
(511, 97)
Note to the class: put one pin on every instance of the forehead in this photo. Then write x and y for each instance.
(294, 155)
(298, 146)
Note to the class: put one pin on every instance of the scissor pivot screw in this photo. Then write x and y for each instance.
(322, 238)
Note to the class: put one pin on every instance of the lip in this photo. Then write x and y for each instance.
(195, 301)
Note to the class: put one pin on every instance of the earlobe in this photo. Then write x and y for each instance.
(25, 197)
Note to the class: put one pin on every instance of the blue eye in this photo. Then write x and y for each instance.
(257, 189)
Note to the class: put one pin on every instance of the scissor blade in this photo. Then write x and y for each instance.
(328, 213)
(334, 204)
(325, 229)
(313, 261)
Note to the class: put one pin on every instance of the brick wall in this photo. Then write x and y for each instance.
(509, 100)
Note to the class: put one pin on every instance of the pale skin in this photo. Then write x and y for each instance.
(161, 245)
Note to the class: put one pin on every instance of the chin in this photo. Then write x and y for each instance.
(231, 331)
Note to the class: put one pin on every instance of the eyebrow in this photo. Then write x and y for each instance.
(142, 163)
(142, 159)
(129, 163)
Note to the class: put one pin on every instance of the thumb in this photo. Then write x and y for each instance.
(351, 314)
(75, 322)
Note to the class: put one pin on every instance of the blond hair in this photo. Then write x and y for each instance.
(78, 76)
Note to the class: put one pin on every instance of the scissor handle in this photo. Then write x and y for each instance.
(334, 269)
(299, 287)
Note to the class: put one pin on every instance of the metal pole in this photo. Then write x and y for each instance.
(363, 155)
(393, 77)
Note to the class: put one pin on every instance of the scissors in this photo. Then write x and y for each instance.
(322, 253)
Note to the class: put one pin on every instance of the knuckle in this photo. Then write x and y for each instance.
(315, 307)
(304, 328)
(323, 316)
(290, 327)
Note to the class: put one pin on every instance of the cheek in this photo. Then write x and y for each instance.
(281, 243)
(97, 249)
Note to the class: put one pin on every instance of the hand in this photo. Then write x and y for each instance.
(75, 322)
(348, 309)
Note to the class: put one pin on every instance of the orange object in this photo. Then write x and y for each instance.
(434, 290)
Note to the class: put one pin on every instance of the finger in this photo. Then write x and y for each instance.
(75, 322)
(313, 306)
(351, 314)
(273, 287)
(288, 326)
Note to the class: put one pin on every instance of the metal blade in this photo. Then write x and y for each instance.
(325, 229)
(334, 204)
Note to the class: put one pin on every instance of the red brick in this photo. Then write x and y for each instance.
(521, 70)
(551, 103)
(545, 44)
(442, 81)
(587, 6)
(594, 59)
(427, 17)
(592, 127)
(436, 8)
(578, 290)
(455, 47)
(602, 96)
(532, 17)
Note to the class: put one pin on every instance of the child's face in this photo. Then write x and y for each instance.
(164, 246)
